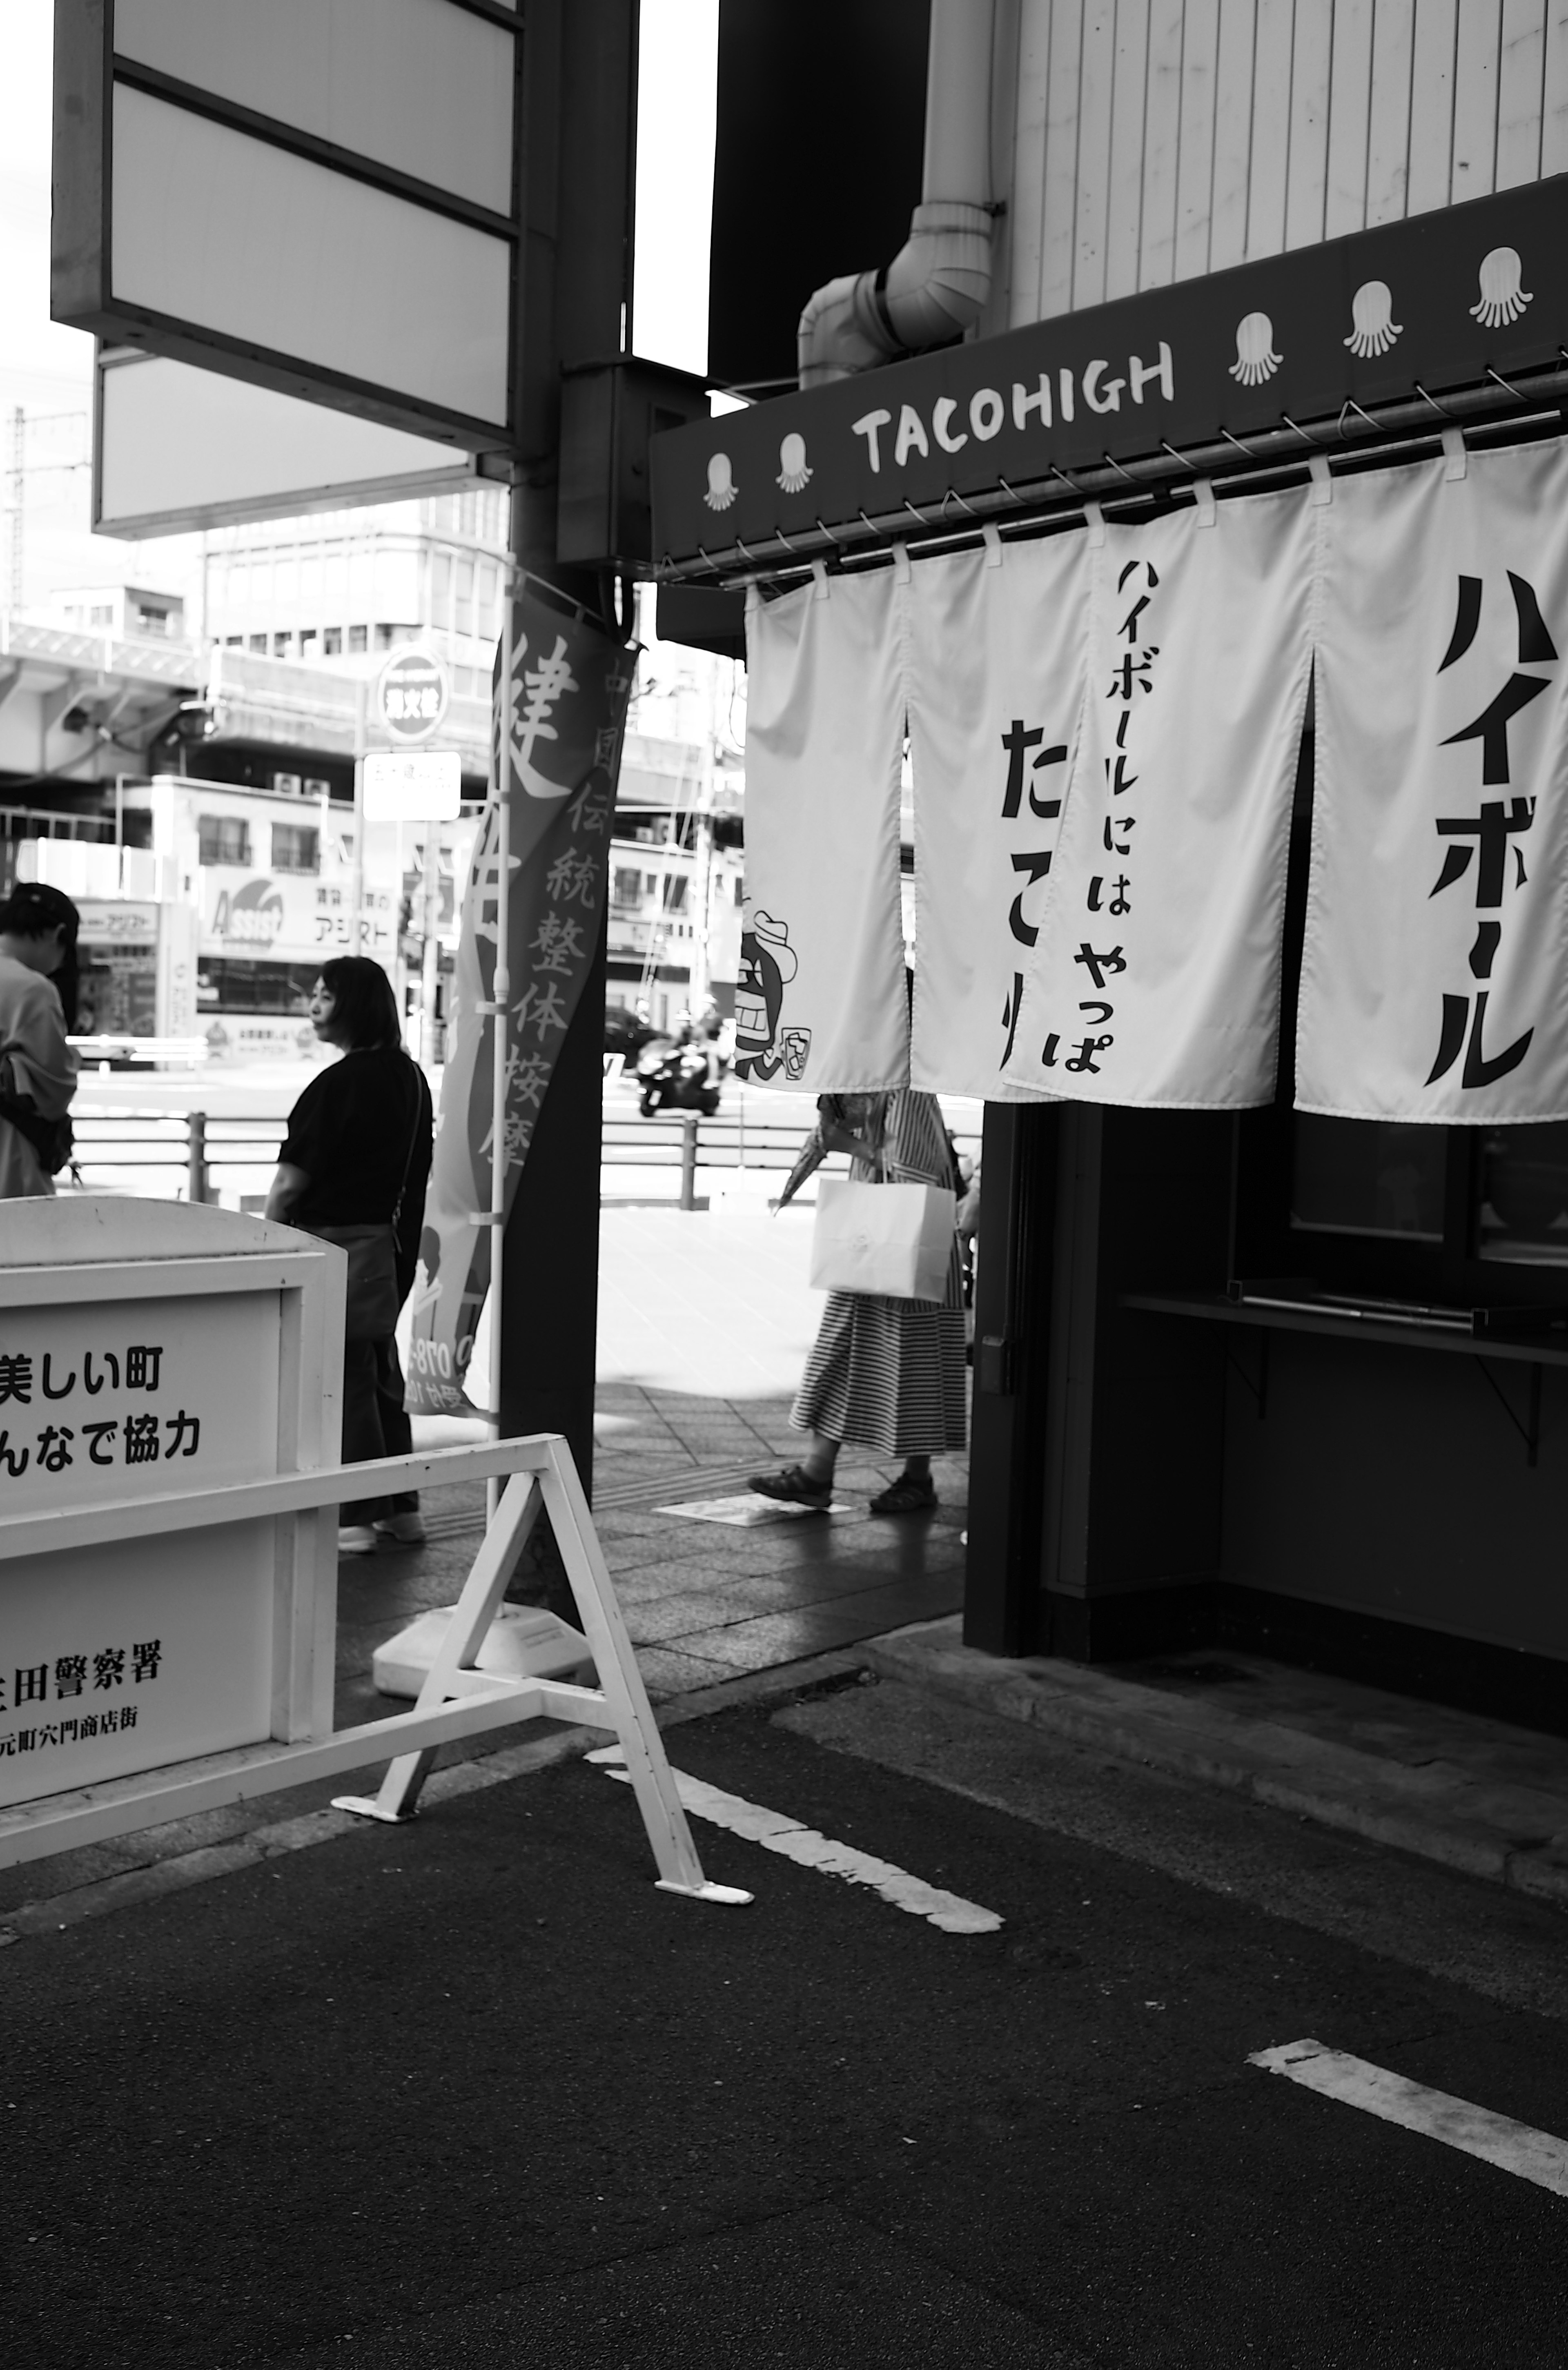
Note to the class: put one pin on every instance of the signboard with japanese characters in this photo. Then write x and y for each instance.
(565, 710)
(296, 918)
(412, 694)
(1153, 979)
(1411, 308)
(1435, 974)
(995, 697)
(820, 1001)
(120, 1384)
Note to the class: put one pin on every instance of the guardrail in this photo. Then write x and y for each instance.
(192, 1151)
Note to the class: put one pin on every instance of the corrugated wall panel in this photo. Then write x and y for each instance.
(1554, 100)
(1195, 170)
(1388, 113)
(1131, 160)
(1350, 101)
(1520, 69)
(1156, 139)
(1162, 146)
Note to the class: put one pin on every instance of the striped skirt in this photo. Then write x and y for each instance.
(888, 1375)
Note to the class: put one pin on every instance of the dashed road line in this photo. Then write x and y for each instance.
(776, 1832)
(1514, 2147)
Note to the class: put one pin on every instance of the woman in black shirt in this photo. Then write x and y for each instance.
(358, 1153)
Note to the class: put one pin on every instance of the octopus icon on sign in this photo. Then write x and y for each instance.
(722, 486)
(1255, 357)
(793, 473)
(1502, 298)
(1373, 327)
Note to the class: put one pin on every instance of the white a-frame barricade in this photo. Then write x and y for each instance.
(170, 1480)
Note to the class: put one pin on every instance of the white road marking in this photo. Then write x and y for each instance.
(778, 1832)
(1497, 2139)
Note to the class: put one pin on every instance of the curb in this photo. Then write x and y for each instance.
(1514, 1836)
(177, 1871)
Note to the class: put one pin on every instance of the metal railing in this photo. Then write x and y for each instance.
(194, 1154)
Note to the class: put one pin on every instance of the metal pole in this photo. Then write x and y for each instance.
(196, 1158)
(501, 786)
(356, 874)
(688, 1160)
(430, 970)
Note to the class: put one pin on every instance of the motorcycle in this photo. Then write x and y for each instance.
(675, 1077)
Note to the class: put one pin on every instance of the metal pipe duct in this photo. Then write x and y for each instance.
(935, 286)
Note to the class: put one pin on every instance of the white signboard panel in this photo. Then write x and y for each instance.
(135, 1400)
(413, 785)
(426, 91)
(234, 235)
(178, 448)
(320, 197)
(125, 1657)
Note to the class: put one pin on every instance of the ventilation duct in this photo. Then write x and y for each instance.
(936, 285)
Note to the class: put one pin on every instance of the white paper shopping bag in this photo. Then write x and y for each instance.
(894, 1240)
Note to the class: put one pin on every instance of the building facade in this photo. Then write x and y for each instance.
(1243, 1370)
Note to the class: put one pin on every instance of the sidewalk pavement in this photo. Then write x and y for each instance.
(1475, 1794)
(705, 1322)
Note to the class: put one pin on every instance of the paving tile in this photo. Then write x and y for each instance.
(666, 1672)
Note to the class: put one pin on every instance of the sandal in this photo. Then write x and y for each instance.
(793, 1487)
(906, 1496)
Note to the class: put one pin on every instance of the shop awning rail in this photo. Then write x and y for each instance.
(1496, 411)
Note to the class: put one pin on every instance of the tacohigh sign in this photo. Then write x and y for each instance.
(1374, 319)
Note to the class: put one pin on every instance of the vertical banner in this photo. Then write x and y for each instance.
(996, 686)
(1154, 979)
(820, 1006)
(1434, 971)
(566, 713)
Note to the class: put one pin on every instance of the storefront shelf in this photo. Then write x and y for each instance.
(1428, 1333)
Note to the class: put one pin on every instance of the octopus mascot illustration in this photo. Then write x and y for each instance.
(767, 963)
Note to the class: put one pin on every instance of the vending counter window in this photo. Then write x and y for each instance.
(1292, 1383)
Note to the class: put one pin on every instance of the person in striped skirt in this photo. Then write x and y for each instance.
(885, 1375)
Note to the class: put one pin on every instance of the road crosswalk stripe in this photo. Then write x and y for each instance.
(776, 1832)
(1496, 2139)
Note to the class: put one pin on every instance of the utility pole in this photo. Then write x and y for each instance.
(19, 499)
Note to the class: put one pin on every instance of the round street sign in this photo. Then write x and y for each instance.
(411, 694)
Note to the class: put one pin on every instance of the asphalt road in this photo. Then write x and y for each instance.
(475, 2093)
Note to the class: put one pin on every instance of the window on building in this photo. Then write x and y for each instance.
(296, 848)
(223, 839)
(383, 637)
(258, 644)
(234, 641)
(464, 622)
(356, 638)
(676, 885)
(1368, 1176)
(628, 889)
(331, 642)
(151, 617)
(308, 641)
(101, 614)
(280, 645)
(263, 986)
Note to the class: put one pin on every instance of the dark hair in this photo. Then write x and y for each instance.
(32, 909)
(365, 1009)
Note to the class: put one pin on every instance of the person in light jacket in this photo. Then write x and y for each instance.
(37, 1069)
